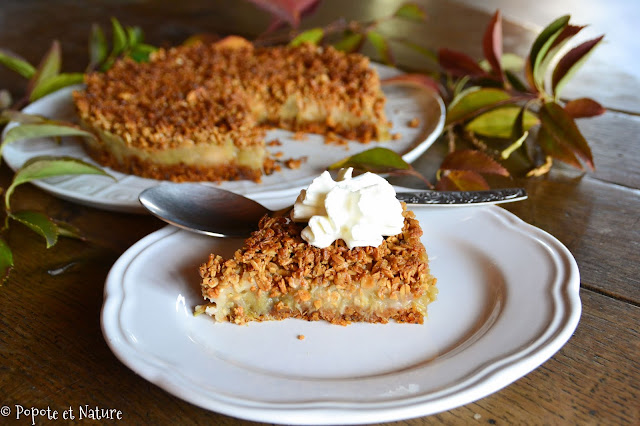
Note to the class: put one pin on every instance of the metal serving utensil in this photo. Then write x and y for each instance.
(220, 213)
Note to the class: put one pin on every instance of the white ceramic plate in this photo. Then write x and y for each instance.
(403, 104)
(508, 301)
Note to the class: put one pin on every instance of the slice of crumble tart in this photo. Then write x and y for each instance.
(278, 275)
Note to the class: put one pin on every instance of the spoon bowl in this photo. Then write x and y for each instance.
(205, 209)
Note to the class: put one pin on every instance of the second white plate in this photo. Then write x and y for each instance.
(404, 103)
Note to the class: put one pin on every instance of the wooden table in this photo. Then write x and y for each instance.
(52, 353)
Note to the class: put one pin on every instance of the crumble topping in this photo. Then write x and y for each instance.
(279, 263)
(185, 94)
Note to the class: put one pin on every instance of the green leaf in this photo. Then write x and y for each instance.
(515, 81)
(570, 63)
(119, 38)
(134, 36)
(21, 117)
(558, 44)
(69, 231)
(351, 42)
(460, 86)
(97, 47)
(47, 166)
(428, 53)
(54, 83)
(381, 46)
(49, 67)
(473, 101)
(312, 36)
(563, 136)
(411, 11)
(31, 131)
(6, 261)
(39, 223)
(17, 64)
(518, 134)
(508, 62)
(500, 122)
(541, 46)
(376, 160)
(141, 52)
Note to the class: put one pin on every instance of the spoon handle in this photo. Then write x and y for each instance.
(457, 198)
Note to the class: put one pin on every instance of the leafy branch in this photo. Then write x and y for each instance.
(504, 113)
(42, 80)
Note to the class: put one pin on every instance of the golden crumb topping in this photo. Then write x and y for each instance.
(207, 93)
(278, 260)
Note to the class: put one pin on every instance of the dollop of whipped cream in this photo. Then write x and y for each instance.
(361, 210)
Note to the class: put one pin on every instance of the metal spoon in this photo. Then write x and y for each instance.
(220, 213)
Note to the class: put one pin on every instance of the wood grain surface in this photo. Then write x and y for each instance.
(52, 352)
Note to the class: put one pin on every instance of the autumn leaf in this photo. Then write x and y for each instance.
(289, 11)
(583, 107)
(540, 48)
(472, 160)
(492, 44)
(553, 149)
(461, 180)
(570, 63)
(459, 64)
(556, 47)
(561, 137)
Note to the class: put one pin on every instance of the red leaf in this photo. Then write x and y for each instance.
(583, 108)
(492, 44)
(565, 134)
(570, 62)
(568, 32)
(558, 151)
(421, 80)
(459, 64)
(461, 180)
(289, 11)
(472, 160)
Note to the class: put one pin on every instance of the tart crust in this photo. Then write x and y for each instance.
(277, 275)
(200, 112)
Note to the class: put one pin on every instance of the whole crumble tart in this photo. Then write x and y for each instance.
(278, 275)
(200, 112)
